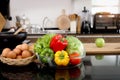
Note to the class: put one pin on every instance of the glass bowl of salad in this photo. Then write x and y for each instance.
(59, 51)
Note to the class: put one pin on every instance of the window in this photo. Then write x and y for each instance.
(111, 6)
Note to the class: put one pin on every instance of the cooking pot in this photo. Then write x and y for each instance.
(8, 39)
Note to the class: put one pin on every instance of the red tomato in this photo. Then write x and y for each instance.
(73, 58)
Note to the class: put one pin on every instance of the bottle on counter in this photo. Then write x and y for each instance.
(86, 26)
(73, 23)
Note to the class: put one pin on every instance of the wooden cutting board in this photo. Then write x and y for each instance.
(63, 21)
(2, 22)
(108, 49)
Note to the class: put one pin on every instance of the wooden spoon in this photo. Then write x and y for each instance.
(20, 29)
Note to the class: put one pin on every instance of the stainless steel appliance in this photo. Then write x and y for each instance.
(105, 23)
(86, 26)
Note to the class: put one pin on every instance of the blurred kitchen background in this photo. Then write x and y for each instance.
(34, 12)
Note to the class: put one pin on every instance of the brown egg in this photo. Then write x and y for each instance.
(26, 54)
(19, 46)
(25, 46)
(17, 51)
(5, 52)
(11, 55)
(19, 57)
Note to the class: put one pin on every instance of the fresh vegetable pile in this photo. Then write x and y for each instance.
(59, 50)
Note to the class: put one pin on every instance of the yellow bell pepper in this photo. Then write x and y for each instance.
(61, 58)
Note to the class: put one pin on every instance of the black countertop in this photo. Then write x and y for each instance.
(85, 71)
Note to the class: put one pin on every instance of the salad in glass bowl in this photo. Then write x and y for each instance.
(57, 50)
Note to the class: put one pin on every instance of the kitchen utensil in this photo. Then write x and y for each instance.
(20, 29)
(63, 21)
(86, 26)
(78, 25)
(18, 24)
(2, 22)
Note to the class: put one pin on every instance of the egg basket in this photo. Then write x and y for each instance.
(18, 62)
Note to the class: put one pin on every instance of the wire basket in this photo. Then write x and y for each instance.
(18, 62)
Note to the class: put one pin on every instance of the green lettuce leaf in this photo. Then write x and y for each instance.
(75, 45)
(43, 42)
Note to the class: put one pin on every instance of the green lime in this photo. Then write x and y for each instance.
(100, 42)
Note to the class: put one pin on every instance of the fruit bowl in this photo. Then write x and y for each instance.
(59, 51)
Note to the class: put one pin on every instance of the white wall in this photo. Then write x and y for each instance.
(36, 10)
(79, 4)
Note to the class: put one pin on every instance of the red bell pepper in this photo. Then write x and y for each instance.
(58, 43)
